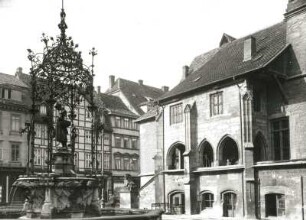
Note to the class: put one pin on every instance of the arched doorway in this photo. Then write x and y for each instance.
(177, 202)
(206, 154)
(259, 148)
(175, 159)
(228, 152)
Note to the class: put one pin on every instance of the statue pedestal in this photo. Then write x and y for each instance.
(125, 198)
(63, 162)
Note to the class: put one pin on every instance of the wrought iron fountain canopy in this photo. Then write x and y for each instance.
(60, 80)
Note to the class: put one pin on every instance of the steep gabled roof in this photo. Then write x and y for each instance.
(6, 79)
(115, 105)
(135, 93)
(228, 62)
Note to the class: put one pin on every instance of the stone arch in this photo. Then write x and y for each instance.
(175, 159)
(229, 203)
(176, 199)
(260, 147)
(206, 154)
(228, 152)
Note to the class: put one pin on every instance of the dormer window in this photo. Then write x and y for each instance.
(5, 93)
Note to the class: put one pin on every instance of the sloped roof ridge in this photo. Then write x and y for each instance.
(136, 83)
(271, 40)
(11, 80)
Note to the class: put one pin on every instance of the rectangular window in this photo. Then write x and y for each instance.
(118, 122)
(87, 160)
(43, 110)
(106, 161)
(216, 103)
(281, 139)
(6, 93)
(87, 114)
(106, 139)
(117, 141)
(176, 113)
(134, 164)
(134, 143)
(15, 152)
(126, 163)
(117, 163)
(207, 200)
(126, 123)
(37, 156)
(15, 123)
(126, 143)
(87, 136)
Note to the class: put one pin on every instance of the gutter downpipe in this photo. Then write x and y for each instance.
(164, 179)
(242, 150)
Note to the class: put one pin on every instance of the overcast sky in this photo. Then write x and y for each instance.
(136, 39)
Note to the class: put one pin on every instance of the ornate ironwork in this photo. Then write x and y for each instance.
(59, 80)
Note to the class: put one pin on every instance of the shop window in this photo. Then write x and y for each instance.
(275, 205)
(175, 158)
(216, 104)
(228, 152)
(176, 114)
(229, 204)
(281, 139)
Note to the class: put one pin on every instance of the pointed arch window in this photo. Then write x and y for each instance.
(175, 159)
(228, 152)
(206, 155)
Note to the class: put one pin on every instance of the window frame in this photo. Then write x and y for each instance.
(216, 103)
(176, 113)
(280, 133)
(15, 152)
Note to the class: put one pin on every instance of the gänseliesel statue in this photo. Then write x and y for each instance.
(61, 129)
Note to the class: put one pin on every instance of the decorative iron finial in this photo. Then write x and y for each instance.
(63, 26)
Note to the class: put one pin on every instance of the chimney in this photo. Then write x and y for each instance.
(99, 89)
(185, 72)
(18, 71)
(140, 82)
(111, 81)
(165, 88)
(249, 48)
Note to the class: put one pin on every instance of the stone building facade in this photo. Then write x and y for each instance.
(229, 139)
(13, 145)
